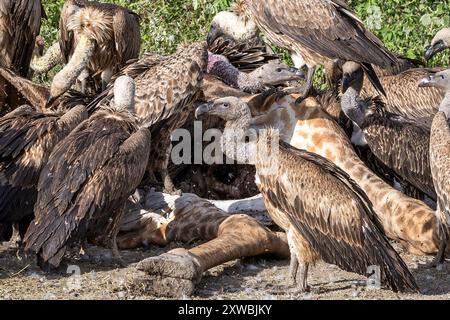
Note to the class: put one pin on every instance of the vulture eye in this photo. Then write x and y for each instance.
(226, 105)
(278, 69)
(442, 77)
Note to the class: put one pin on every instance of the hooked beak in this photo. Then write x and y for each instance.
(426, 82)
(434, 49)
(50, 101)
(346, 81)
(298, 73)
(203, 109)
(213, 34)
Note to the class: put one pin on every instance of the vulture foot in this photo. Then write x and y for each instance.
(439, 259)
(172, 274)
(16, 240)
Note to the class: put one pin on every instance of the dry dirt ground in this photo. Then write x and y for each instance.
(251, 278)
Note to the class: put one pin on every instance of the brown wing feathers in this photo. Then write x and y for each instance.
(343, 231)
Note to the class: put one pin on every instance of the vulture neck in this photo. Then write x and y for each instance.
(77, 63)
(352, 105)
(233, 140)
(48, 61)
(248, 145)
(235, 78)
(445, 105)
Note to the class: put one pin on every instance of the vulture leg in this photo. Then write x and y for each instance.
(169, 187)
(309, 81)
(293, 268)
(16, 239)
(106, 77)
(303, 283)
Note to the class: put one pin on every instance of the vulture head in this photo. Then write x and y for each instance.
(439, 80)
(352, 75)
(228, 109)
(273, 73)
(440, 42)
(124, 92)
(229, 25)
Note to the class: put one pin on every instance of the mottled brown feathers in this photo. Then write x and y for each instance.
(333, 215)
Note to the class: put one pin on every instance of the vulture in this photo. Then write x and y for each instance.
(20, 24)
(402, 144)
(239, 42)
(324, 213)
(95, 38)
(440, 42)
(269, 74)
(404, 98)
(88, 177)
(166, 89)
(316, 31)
(440, 158)
(27, 137)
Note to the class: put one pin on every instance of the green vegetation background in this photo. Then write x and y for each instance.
(405, 26)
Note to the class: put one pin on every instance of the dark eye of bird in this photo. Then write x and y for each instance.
(226, 105)
(278, 69)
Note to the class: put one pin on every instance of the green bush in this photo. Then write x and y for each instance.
(405, 26)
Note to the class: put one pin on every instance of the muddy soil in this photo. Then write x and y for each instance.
(250, 278)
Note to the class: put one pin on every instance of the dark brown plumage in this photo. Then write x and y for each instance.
(166, 88)
(324, 213)
(402, 144)
(20, 23)
(83, 188)
(317, 31)
(27, 138)
(245, 55)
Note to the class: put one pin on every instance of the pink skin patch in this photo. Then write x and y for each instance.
(213, 59)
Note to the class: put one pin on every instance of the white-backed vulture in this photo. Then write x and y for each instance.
(324, 213)
(268, 74)
(404, 98)
(27, 138)
(166, 88)
(316, 31)
(239, 41)
(440, 42)
(88, 178)
(97, 37)
(440, 158)
(402, 144)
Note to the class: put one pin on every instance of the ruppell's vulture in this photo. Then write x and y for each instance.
(166, 89)
(324, 213)
(440, 42)
(440, 158)
(95, 38)
(88, 178)
(27, 138)
(402, 144)
(316, 31)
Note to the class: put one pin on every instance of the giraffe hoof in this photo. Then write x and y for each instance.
(172, 274)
